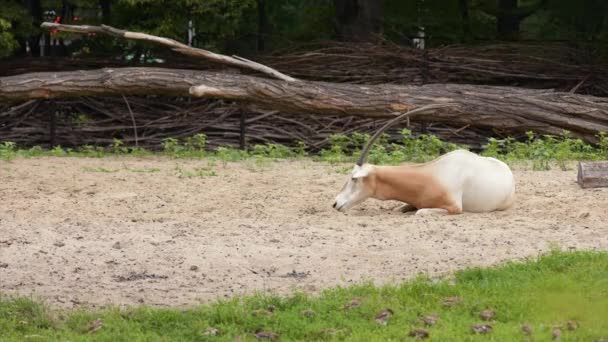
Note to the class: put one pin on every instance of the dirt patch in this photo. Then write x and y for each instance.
(71, 229)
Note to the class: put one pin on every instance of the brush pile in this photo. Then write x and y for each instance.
(98, 121)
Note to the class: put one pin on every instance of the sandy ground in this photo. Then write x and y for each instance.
(91, 232)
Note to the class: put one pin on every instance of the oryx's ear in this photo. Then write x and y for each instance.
(361, 171)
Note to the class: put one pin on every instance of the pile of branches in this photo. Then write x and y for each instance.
(545, 65)
(541, 65)
(147, 121)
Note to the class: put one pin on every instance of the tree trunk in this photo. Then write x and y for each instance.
(35, 10)
(358, 20)
(505, 110)
(507, 21)
(106, 13)
(466, 21)
(263, 26)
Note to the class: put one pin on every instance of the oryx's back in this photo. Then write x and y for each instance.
(484, 183)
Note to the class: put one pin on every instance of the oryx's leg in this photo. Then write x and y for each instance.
(405, 208)
(431, 211)
(452, 209)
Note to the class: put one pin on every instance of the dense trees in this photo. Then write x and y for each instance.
(245, 25)
(358, 19)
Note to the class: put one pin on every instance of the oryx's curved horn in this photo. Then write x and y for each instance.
(371, 141)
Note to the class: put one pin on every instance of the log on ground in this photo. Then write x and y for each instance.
(506, 110)
(593, 174)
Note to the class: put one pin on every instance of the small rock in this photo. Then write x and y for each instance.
(3, 265)
(584, 214)
(526, 329)
(307, 313)
(116, 245)
(556, 333)
(59, 244)
(266, 335)
(481, 328)
(452, 301)
(487, 314)
(572, 325)
(430, 320)
(383, 316)
(193, 268)
(211, 332)
(419, 333)
(355, 303)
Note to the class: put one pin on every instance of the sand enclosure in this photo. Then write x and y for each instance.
(177, 232)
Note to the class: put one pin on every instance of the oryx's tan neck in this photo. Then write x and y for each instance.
(411, 184)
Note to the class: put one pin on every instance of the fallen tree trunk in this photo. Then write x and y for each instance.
(506, 110)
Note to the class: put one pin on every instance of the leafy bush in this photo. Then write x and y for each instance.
(543, 151)
(546, 150)
(415, 149)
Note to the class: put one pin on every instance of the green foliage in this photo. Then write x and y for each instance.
(13, 23)
(8, 150)
(273, 151)
(578, 20)
(415, 149)
(337, 152)
(299, 20)
(546, 150)
(543, 293)
(193, 147)
(7, 39)
(216, 21)
(197, 142)
(118, 148)
(543, 151)
(234, 25)
(199, 172)
(603, 143)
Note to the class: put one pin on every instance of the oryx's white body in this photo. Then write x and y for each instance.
(455, 182)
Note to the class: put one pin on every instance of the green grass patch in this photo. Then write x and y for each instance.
(543, 294)
(199, 172)
(542, 152)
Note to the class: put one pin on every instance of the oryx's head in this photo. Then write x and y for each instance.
(362, 181)
(359, 187)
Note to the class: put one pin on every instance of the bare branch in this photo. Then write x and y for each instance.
(132, 120)
(174, 45)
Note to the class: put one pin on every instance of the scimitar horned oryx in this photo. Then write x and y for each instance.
(456, 182)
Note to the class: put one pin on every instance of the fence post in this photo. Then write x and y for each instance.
(425, 79)
(242, 137)
(52, 125)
